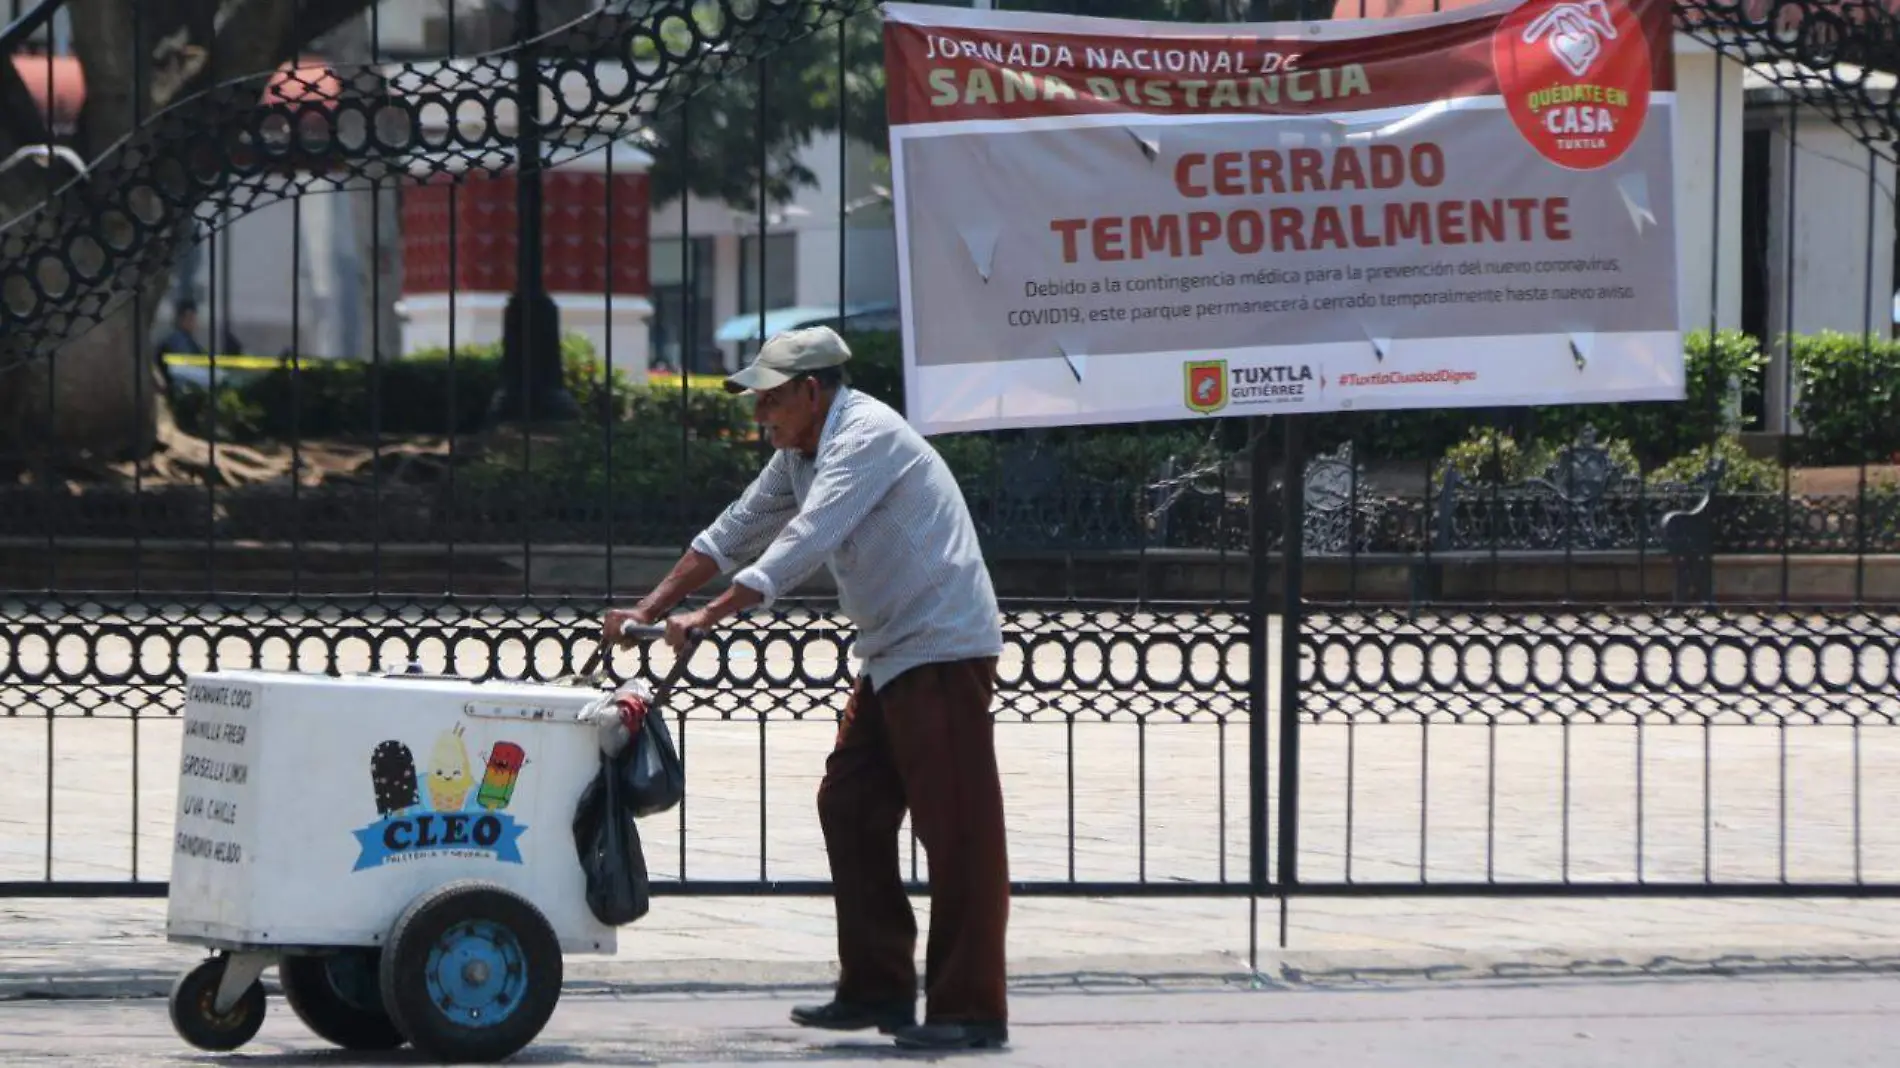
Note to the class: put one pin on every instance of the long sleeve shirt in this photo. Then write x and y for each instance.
(879, 507)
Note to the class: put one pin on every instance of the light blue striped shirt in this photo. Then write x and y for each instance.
(881, 509)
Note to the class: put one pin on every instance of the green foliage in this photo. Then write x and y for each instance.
(639, 464)
(710, 144)
(226, 411)
(1487, 455)
(426, 393)
(670, 437)
(813, 84)
(1492, 455)
(1741, 473)
(1849, 402)
(877, 364)
(1714, 369)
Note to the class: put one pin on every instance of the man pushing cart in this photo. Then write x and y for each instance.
(854, 487)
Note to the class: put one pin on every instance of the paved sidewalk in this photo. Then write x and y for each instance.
(1733, 1023)
(118, 948)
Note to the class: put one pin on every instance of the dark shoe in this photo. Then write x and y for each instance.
(888, 1017)
(964, 1035)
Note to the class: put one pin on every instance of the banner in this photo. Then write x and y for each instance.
(1113, 221)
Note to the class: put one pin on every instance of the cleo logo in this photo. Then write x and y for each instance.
(437, 817)
(1205, 388)
(1575, 76)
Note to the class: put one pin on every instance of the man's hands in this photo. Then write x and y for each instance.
(613, 628)
(679, 626)
(694, 570)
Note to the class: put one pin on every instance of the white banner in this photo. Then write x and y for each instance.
(1108, 221)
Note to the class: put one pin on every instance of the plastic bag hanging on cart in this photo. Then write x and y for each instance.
(608, 841)
(655, 778)
(616, 716)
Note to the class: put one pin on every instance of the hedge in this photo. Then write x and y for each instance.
(1847, 405)
(1849, 398)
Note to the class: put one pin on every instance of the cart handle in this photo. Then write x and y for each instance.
(694, 636)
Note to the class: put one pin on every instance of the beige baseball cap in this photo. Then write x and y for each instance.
(788, 355)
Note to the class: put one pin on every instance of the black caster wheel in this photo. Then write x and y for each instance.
(195, 1016)
(471, 972)
(336, 997)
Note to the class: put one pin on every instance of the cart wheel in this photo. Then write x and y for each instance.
(194, 1014)
(471, 972)
(335, 996)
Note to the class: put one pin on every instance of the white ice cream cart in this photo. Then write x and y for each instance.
(400, 846)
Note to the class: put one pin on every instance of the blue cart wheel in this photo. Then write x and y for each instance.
(471, 972)
(476, 974)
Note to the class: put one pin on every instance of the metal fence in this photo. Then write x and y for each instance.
(436, 409)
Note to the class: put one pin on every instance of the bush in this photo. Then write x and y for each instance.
(1490, 455)
(1849, 403)
(1715, 368)
(425, 393)
(1741, 473)
(645, 469)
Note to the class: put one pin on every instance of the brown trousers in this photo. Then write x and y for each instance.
(926, 742)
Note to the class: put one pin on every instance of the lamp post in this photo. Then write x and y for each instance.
(531, 388)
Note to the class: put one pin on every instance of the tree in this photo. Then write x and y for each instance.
(139, 57)
(173, 84)
(833, 81)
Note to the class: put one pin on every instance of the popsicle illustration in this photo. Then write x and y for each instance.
(449, 777)
(498, 781)
(392, 770)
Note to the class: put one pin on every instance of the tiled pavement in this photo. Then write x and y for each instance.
(1166, 802)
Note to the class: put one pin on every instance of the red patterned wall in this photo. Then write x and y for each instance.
(578, 223)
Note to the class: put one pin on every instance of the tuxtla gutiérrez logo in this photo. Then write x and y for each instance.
(1206, 385)
(445, 811)
(1210, 385)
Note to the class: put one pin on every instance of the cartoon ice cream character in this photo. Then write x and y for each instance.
(392, 770)
(498, 782)
(449, 777)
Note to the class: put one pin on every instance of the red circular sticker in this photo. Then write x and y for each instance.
(1575, 76)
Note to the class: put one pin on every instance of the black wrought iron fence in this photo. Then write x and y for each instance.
(1503, 652)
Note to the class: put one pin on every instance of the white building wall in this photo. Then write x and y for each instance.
(1708, 142)
(1838, 195)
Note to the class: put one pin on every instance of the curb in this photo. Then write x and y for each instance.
(1291, 971)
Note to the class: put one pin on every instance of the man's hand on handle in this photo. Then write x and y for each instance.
(680, 627)
(693, 570)
(613, 630)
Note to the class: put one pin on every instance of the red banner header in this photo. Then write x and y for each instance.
(947, 65)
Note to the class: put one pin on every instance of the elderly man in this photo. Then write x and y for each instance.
(852, 486)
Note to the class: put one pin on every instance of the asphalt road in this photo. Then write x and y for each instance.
(1811, 1022)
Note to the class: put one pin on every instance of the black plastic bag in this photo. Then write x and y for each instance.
(655, 778)
(611, 856)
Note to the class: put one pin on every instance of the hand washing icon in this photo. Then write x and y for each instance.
(1574, 33)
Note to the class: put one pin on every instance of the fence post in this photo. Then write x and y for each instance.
(1260, 489)
(1293, 561)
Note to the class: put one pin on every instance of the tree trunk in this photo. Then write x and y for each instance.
(106, 385)
(139, 57)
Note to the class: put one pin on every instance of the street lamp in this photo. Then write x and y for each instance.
(531, 375)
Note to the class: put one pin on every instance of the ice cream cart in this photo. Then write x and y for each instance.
(398, 845)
